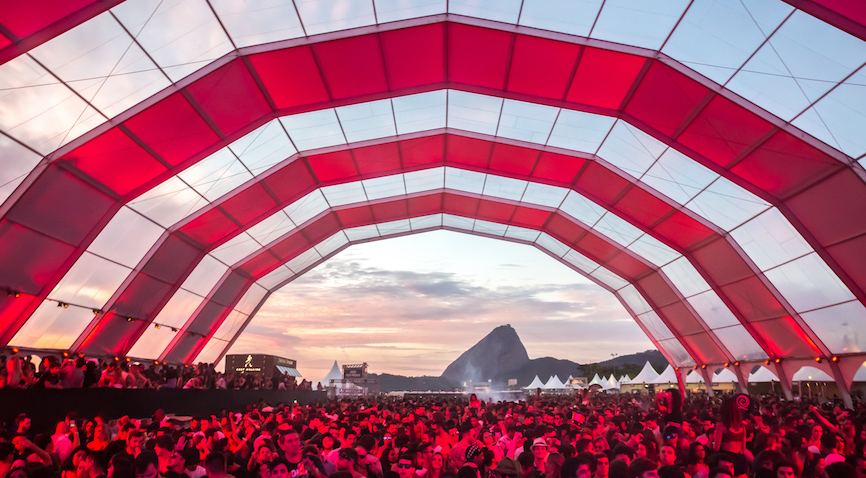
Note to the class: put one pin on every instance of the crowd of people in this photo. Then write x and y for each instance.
(79, 372)
(577, 436)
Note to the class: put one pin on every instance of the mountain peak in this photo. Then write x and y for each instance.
(499, 352)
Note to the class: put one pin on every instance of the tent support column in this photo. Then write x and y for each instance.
(708, 381)
(742, 380)
(784, 380)
(841, 384)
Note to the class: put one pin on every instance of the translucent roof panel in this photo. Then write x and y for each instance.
(618, 229)
(581, 208)
(365, 121)
(169, 202)
(52, 327)
(126, 238)
(654, 250)
(303, 261)
(808, 283)
(216, 175)
(578, 131)
(658, 329)
(420, 112)
(261, 21)
(500, 10)
(677, 352)
(457, 222)
(770, 240)
(521, 233)
(393, 10)
(506, 188)
(361, 232)
(634, 299)
(716, 37)
(678, 176)
(630, 149)
(394, 227)
(712, 310)
(206, 274)
(726, 204)
(550, 196)
(644, 23)
(574, 17)
(178, 309)
(322, 16)
(251, 299)
(838, 118)
(152, 342)
(348, 193)
(317, 129)
(425, 180)
(470, 112)
(271, 228)
(307, 207)
(840, 327)
(236, 249)
(264, 147)
(803, 59)
(551, 245)
(580, 261)
(386, 186)
(738, 341)
(526, 121)
(90, 282)
(462, 180)
(424, 222)
(276, 277)
(16, 161)
(334, 243)
(684, 275)
(180, 36)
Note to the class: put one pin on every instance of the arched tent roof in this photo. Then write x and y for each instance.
(186, 159)
(646, 375)
(694, 377)
(669, 375)
(725, 376)
(811, 374)
(763, 375)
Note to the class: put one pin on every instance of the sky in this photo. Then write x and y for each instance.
(411, 305)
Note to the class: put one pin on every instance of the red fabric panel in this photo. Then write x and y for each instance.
(513, 159)
(603, 78)
(390, 211)
(291, 76)
(851, 255)
(289, 247)
(530, 217)
(642, 206)
(61, 205)
(186, 348)
(563, 229)
(478, 56)
(723, 130)
(352, 66)
(112, 335)
(261, 264)
(425, 205)
(171, 261)
(684, 321)
(853, 10)
(422, 151)
(467, 151)
(557, 167)
(658, 289)
(784, 164)
(496, 211)
(753, 298)
(140, 299)
(541, 67)
(248, 204)
(231, 289)
(322, 228)
(817, 207)
(12, 307)
(4, 42)
(786, 338)
(355, 216)
(705, 348)
(683, 230)
(115, 160)
(291, 181)
(722, 262)
(333, 166)
(378, 158)
(210, 313)
(230, 97)
(596, 248)
(626, 265)
(25, 17)
(601, 182)
(210, 227)
(665, 98)
(423, 63)
(29, 259)
(173, 129)
(460, 205)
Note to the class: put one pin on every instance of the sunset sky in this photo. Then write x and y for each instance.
(411, 305)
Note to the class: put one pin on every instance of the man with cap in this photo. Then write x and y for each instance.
(474, 455)
(507, 468)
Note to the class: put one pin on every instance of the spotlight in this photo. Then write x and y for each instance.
(116, 358)
(834, 358)
(12, 293)
(736, 364)
(174, 329)
(14, 350)
(129, 319)
(703, 366)
(128, 359)
(677, 369)
(778, 360)
(65, 305)
(96, 311)
(65, 354)
(156, 362)
(818, 359)
(767, 362)
(695, 367)
(727, 364)
(60, 304)
(185, 365)
(156, 326)
(163, 363)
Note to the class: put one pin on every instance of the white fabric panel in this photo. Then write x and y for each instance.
(127, 238)
(90, 282)
(205, 275)
(52, 327)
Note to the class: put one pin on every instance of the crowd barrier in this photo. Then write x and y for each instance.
(46, 407)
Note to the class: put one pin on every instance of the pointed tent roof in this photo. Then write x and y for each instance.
(763, 375)
(554, 383)
(595, 381)
(694, 377)
(811, 374)
(334, 374)
(725, 376)
(668, 376)
(624, 379)
(646, 375)
(860, 376)
(614, 383)
(536, 383)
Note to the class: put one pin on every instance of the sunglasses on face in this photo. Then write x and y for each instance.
(404, 466)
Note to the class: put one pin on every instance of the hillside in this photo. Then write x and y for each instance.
(499, 353)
